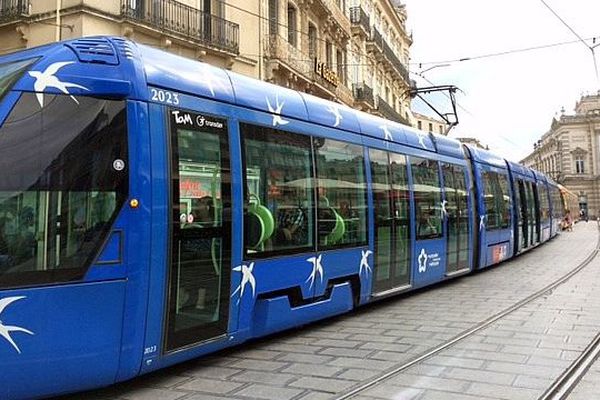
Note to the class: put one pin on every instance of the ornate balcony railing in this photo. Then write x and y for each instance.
(377, 39)
(360, 18)
(12, 10)
(363, 92)
(388, 111)
(178, 18)
(395, 61)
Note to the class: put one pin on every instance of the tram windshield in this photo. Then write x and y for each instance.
(63, 179)
(11, 72)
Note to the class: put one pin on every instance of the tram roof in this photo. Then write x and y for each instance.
(115, 66)
(521, 169)
(487, 157)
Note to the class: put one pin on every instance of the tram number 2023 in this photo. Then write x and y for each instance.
(164, 96)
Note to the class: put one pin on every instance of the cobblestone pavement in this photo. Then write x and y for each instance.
(517, 357)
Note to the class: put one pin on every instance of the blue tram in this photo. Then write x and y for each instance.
(154, 209)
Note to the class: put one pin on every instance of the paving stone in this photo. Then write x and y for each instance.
(355, 374)
(259, 365)
(269, 392)
(209, 386)
(271, 378)
(312, 370)
(362, 363)
(480, 376)
(330, 385)
(428, 382)
(502, 392)
(214, 372)
(393, 392)
(305, 358)
(341, 352)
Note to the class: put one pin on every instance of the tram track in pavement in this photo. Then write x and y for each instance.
(561, 387)
(570, 378)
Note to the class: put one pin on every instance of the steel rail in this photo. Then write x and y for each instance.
(361, 387)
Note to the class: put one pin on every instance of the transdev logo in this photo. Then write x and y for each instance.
(5, 330)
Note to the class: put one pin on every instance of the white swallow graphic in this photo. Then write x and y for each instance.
(482, 222)
(422, 140)
(336, 112)
(5, 330)
(422, 261)
(208, 78)
(317, 269)
(387, 133)
(247, 278)
(444, 204)
(47, 79)
(277, 120)
(364, 263)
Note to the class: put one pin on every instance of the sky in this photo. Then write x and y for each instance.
(507, 101)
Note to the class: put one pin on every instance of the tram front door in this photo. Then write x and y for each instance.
(200, 242)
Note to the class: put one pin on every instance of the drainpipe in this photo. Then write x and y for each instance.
(57, 35)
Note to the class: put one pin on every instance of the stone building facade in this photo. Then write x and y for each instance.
(570, 152)
(206, 30)
(430, 124)
(355, 52)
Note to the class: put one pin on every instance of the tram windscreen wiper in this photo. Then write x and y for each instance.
(11, 72)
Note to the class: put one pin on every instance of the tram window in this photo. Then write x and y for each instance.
(497, 200)
(341, 185)
(505, 203)
(428, 197)
(279, 206)
(544, 202)
(64, 178)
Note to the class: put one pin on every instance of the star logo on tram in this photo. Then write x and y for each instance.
(276, 111)
(387, 133)
(335, 110)
(364, 263)
(317, 269)
(247, 279)
(47, 79)
(5, 330)
(422, 261)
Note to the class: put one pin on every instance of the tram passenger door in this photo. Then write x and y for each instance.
(522, 216)
(392, 223)
(531, 214)
(200, 230)
(457, 217)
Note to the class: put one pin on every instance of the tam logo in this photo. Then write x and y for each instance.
(185, 119)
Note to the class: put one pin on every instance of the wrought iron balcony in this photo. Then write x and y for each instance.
(395, 61)
(180, 19)
(376, 39)
(363, 93)
(12, 10)
(360, 18)
(389, 112)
